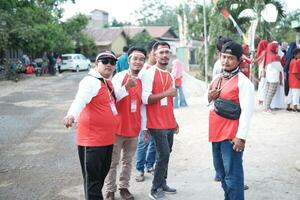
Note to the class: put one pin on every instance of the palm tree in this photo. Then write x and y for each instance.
(257, 6)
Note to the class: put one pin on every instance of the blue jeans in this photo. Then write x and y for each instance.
(179, 97)
(145, 153)
(163, 139)
(229, 165)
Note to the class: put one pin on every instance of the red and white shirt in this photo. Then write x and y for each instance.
(128, 105)
(237, 89)
(293, 71)
(160, 115)
(91, 108)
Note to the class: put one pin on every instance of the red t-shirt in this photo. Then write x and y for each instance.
(160, 116)
(96, 124)
(129, 109)
(221, 128)
(294, 70)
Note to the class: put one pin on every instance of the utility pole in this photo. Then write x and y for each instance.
(205, 44)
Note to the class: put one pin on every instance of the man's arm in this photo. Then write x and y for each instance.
(154, 98)
(88, 88)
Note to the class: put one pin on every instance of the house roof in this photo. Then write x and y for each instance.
(104, 36)
(131, 31)
(160, 31)
(154, 31)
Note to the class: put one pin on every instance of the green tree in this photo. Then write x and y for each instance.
(74, 28)
(156, 13)
(34, 26)
(140, 39)
(283, 31)
(116, 23)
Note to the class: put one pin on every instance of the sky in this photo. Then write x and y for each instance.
(123, 10)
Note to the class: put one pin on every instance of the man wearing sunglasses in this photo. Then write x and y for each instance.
(128, 90)
(158, 92)
(95, 112)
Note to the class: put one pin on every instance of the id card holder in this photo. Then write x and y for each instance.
(113, 108)
(133, 105)
(164, 101)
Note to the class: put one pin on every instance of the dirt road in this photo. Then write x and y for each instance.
(39, 157)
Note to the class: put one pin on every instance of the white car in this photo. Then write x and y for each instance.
(74, 62)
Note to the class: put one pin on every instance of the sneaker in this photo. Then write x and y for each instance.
(246, 187)
(268, 112)
(110, 196)
(217, 178)
(157, 195)
(151, 170)
(169, 190)
(125, 194)
(140, 177)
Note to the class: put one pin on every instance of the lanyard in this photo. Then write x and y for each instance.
(219, 82)
(108, 90)
(164, 84)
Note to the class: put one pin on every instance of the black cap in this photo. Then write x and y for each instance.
(232, 48)
(221, 41)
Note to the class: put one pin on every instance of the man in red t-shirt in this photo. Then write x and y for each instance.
(294, 82)
(158, 92)
(128, 90)
(228, 135)
(95, 112)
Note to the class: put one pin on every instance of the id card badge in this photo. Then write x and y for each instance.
(164, 101)
(113, 108)
(133, 105)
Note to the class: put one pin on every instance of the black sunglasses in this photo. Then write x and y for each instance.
(106, 61)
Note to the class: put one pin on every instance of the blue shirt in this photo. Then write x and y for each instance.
(122, 63)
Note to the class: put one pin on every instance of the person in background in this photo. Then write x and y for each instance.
(261, 61)
(45, 64)
(95, 112)
(246, 61)
(278, 101)
(58, 63)
(52, 63)
(294, 83)
(288, 57)
(177, 70)
(217, 69)
(122, 63)
(274, 74)
(146, 150)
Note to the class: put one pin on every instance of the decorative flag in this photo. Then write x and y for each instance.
(227, 15)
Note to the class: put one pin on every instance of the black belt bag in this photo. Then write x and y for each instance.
(227, 108)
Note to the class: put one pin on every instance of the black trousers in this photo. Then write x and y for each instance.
(163, 140)
(95, 164)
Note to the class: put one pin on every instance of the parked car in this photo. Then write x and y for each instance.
(74, 62)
